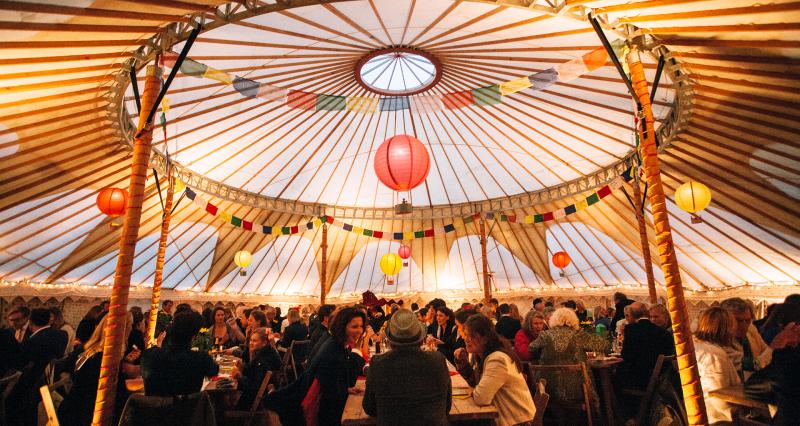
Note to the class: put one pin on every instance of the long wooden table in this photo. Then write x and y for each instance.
(462, 408)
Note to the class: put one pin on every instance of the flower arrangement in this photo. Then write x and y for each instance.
(203, 341)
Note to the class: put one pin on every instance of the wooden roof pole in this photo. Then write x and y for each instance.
(162, 250)
(487, 288)
(684, 345)
(114, 333)
(323, 276)
(638, 208)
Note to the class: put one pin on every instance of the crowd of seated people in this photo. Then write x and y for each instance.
(731, 351)
(170, 365)
(487, 344)
(34, 345)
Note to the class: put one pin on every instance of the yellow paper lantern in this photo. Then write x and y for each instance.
(391, 264)
(693, 197)
(179, 186)
(242, 259)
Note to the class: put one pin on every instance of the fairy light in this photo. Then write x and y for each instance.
(454, 294)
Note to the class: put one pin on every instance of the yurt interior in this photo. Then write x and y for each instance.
(496, 158)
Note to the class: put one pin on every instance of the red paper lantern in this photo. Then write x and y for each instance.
(561, 260)
(404, 252)
(402, 163)
(112, 201)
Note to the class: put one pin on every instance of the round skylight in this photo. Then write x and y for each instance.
(398, 71)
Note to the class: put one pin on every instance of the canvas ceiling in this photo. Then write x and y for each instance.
(59, 147)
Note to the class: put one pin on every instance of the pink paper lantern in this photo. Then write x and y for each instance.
(402, 163)
(404, 252)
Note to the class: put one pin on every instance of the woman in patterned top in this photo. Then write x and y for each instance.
(565, 343)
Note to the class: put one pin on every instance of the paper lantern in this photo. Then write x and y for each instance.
(561, 260)
(402, 163)
(179, 186)
(391, 264)
(692, 197)
(112, 201)
(242, 259)
(404, 252)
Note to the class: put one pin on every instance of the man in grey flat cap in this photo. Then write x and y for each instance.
(407, 386)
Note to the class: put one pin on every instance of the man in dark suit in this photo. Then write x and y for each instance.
(44, 345)
(19, 319)
(10, 355)
(321, 333)
(644, 342)
(507, 326)
(407, 385)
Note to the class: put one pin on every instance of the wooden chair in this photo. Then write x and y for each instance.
(7, 385)
(741, 417)
(298, 351)
(540, 399)
(57, 380)
(235, 417)
(49, 407)
(646, 396)
(561, 405)
(288, 372)
(182, 410)
(283, 373)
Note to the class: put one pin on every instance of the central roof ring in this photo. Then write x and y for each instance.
(398, 71)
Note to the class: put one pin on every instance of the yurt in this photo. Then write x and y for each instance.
(180, 170)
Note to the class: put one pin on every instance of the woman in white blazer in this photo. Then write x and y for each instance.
(714, 335)
(497, 373)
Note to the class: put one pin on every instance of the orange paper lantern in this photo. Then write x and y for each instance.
(112, 201)
(404, 252)
(402, 163)
(561, 260)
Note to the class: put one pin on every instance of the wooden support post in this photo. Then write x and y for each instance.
(684, 345)
(114, 332)
(487, 287)
(323, 276)
(648, 263)
(162, 250)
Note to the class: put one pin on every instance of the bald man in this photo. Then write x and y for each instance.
(644, 342)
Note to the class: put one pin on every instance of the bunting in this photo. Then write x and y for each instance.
(238, 222)
(481, 96)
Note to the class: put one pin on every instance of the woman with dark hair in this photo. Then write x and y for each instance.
(136, 338)
(330, 377)
(496, 372)
(461, 316)
(87, 324)
(225, 332)
(443, 332)
(175, 369)
(422, 314)
(208, 317)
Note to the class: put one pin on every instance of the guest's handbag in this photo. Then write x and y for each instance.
(761, 385)
(310, 404)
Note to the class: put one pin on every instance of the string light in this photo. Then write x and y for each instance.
(454, 294)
